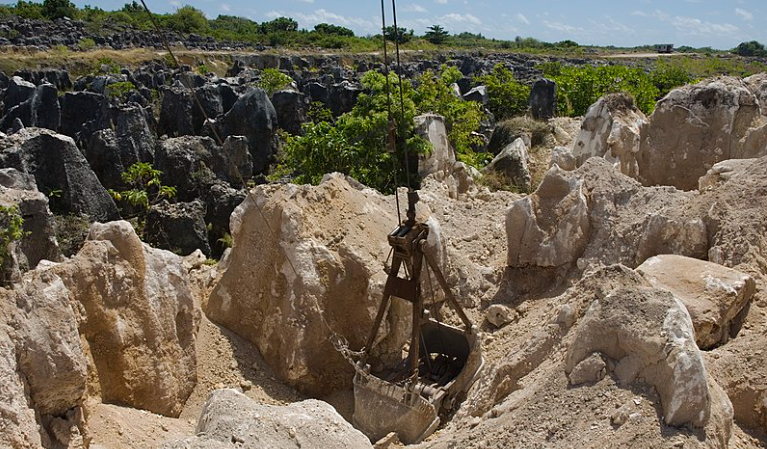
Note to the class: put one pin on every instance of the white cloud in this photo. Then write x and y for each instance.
(175, 3)
(306, 1)
(745, 15)
(563, 27)
(224, 7)
(441, 2)
(639, 14)
(414, 7)
(521, 17)
(455, 18)
(274, 14)
(324, 16)
(697, 27)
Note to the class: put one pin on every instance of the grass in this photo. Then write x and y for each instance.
(510, 130)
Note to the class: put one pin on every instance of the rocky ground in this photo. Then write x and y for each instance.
(621, 301)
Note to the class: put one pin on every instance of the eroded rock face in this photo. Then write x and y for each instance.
(334, 236)
(137, 314)
(442, 157)
(230, 417)
(696, 126)
(254, 117)
(723, 171)
(713, 295)
(648, 334)
(57, 165)
(610, 130)
(549, 228)
(511, 164)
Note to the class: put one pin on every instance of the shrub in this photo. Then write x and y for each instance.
(512, 129)
(272, 80)
(752, 48)
(667, 77)
(11, 229)
(188, 20)
(326, 28)
(119, 91)
(57, 9)
(144, 185)
(507, 96)
(356, 143)
(86, 44)
(462, 118)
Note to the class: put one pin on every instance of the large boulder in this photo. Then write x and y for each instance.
(254, 117)
(58, 166)
(212, 104)
(221, 201)
(17, 92)
(723, 171)
(543, 99)
(177, 227)
(39, 239)
(110, 152)
(136, 312)
(595, 216)
(757, 84)
(40, 110)
(646, 333)
(441, 159)
(176, 116)
(291, 108)
(231, 418)
(192, 164)
(714, 295)
(300, 277)
(610, 130)
(511, 165)
(549, 228)
(696, 126)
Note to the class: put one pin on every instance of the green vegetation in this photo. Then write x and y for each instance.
(752, 48)
(272, 80)
(86, 44)
(355, 143)
(144, 185)
(57, 9)
(11, 229)
(120, 90)
(507, 97)
(436, 35)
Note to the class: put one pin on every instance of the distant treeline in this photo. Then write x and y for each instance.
(285, 32)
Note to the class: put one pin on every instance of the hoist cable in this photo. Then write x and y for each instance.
(391, 125)
(401, 90)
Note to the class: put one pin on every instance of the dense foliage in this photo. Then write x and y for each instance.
(272, 80)
(752, 48)
(356, 143)
(507, 96)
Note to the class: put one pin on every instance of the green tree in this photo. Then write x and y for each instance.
(326, 28)
(57, 9)
(144, 185)
(507, 97)
(752, 48)
(279, 24)
(436, 34)
(188, 19)
(272, 80)
(401, 35)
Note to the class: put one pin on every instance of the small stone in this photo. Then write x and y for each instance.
(246, 385)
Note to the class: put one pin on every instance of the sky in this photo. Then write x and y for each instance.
(721, 24)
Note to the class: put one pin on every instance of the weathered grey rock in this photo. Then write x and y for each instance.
(221, 201)
(757, 84)
(176, 116)
(209, 96)
(543, 99)
(610, 130)
(177, 227)
(563, 158)
(291, 108)
(696, 126)
(478, 94)
(511, 163)
(714, 295)
(78, 108)
(442, 157)
(648, 334)
(254, 117)
(39, 241)
(230, 418)
(40, 110)
(17, 92)
(342, 97)
(58, 166)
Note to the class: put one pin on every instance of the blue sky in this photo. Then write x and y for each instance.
(716, 23)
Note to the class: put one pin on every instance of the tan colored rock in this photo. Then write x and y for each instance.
(334, 236)
(696, 126)
(549, 228)
(648, 334)
(563, 158)
(757, 84)
(231, 419)
(136, 312)
(610, 130)
(499, 315)
(723, 171)
(713, 294)
(442, 156)
(589, 370)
